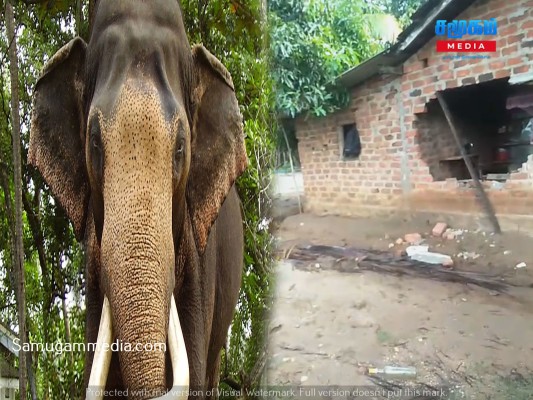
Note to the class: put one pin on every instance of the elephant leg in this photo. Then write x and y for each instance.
(229, 265)
(192, 314)
(213, 378)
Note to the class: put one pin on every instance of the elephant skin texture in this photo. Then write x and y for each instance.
(139, 137)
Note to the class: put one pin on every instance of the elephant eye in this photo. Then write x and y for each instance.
(95, 150)
(180, 146)
(95, 135)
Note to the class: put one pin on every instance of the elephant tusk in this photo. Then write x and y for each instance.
(178, 357)
(102, 355)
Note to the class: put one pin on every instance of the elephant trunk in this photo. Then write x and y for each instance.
(139, 301)
(138, 278)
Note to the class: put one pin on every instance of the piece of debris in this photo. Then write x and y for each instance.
(416, 249)
(422, 253)
(303, 379)
(391, 245)
(400, 253)
(506, 252)
(468, 255)
(399, 241)
(449, 236)
(452, 234)
(391, 371)
(413, 238)
(439, 229)
(386, 262)
(521, 265)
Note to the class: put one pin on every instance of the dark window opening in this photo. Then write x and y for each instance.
(351, 148)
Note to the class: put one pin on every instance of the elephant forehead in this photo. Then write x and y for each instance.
(136, 136)
(138, 115)
(164, 12)
(138, 145)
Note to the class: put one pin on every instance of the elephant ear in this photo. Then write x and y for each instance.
(56, 134)
(218, 154)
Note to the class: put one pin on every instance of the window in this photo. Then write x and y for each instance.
(351, 143)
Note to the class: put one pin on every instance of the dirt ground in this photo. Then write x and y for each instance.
(327, 326)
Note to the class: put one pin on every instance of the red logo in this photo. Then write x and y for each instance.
(466, 46)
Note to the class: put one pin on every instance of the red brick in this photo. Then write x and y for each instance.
(515, 38)
(514, 61)
(507, 51)
(419, 109)
(439, 229)
(502, 73)
(521, 70)
(526, 25)
(414, 76)
(479, 69)
(446, 75)
(417, 84)
(463, 73)
(428, 90)
(497, 65)
(508, 30)
(414, 66)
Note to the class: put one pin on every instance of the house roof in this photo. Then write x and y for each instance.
(413, 38)
(7, 339)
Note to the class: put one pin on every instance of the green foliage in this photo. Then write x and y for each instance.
(313, 42)
(401, 9)
(54, 260)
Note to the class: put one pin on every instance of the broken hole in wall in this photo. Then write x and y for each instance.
(494, 121)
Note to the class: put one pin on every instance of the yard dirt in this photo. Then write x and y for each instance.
(327, 327)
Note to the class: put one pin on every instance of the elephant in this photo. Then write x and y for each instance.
(139, 137)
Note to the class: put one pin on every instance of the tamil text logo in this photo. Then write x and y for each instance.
(458, 29)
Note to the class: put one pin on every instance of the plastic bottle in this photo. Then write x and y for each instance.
(393, 372)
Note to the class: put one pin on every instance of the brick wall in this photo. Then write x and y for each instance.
(374, 179)
(402, 168)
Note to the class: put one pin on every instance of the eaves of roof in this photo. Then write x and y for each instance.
(413, 38)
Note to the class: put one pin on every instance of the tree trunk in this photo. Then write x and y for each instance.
(68, 337)
(17, 167)
(79, 17)
(4, 183)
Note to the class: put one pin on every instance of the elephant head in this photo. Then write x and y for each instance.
(137, 136)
